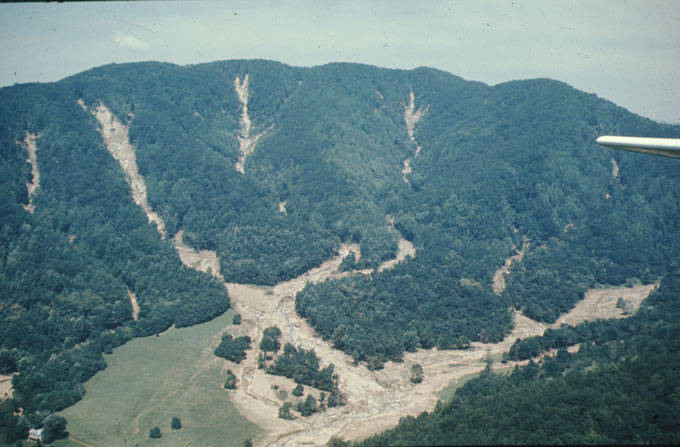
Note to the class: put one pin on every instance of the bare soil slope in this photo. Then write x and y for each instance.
(32, 186)
(115, 136)
(6, 389)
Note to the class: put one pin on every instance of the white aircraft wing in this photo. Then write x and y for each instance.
(668, 147)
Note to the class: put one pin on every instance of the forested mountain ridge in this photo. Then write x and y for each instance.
(497, 164)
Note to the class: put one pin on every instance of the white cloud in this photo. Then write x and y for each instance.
(129, 41)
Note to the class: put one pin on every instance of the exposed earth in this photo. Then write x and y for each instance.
(376, 400)
(32, 159)
(6, 389)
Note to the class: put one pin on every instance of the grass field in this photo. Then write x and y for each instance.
(150, 380)
(449, 391)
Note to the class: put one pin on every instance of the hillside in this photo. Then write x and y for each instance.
(107, 174)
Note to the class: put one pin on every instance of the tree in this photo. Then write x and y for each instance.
(375, 364)
(236, 319)
(299, 390)
(176, 423)
(284, 411)
(416, 373)
(269, 344)
(233, 349)
(230, 383)
(273, 332)
(335, 398)
(270, 339)
(308, 407)
(8, 360)
(54, 427)
(155, 432)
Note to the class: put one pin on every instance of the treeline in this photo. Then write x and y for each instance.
(620, 388)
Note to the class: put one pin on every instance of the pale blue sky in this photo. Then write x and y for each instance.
(625, 51)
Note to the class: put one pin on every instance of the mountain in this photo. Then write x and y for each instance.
(273, 167)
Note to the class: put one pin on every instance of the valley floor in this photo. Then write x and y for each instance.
(376, 400)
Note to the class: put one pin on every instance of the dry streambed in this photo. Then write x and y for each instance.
(376, 400)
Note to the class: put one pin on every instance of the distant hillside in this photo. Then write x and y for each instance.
(273, 167)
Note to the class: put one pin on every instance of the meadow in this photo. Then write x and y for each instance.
(150, 380)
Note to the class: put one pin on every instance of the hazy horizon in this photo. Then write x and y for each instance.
(628, 53)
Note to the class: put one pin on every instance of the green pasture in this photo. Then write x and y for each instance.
(447, 393)
(150, 380)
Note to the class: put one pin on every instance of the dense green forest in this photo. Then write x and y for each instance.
(497, 165)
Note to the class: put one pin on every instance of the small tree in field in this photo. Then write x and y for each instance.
(176, 423)
(155, 432)
(284, 411)
(416, 373)
(230, 383)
